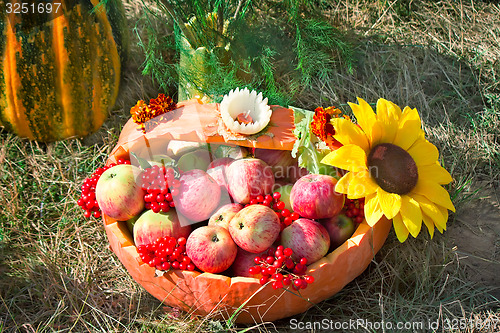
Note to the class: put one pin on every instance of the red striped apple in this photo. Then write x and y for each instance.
(307, 239)
(244, 260)
(248, 178)
(150, 226)
(118, 194)
(224, 215)
(314, 197)
(340, 228)
(217, 170)
(211, 249)
(255, 228)
(199, 195)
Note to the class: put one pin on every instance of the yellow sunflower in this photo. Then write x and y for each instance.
(392, 165)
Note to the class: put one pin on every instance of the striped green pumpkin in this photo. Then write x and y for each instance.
(60, 74)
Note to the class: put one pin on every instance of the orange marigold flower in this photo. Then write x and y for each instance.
(161, 104)
(142, 113)
(321, 125)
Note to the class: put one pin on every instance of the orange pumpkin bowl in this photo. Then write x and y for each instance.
(222, 296)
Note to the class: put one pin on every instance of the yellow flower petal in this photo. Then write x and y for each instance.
(439, 228)
(360, 185)
(373, 213)
(346, 132)
(443, 211)
(350, 157)
(429, 224)
(411, 215)
(390, 203)
(424, 153)
(343, 183)
(409, 129)
(367, 119)
(400, 228)
(434, 173)
(434, 192)
(388, 115)
(431, 210)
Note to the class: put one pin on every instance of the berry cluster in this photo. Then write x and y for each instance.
(355, 209)
(87, 199)
(161, 186)
(273, 201)
(166, 253)
(279, 267)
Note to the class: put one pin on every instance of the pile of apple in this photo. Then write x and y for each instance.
(224, 209)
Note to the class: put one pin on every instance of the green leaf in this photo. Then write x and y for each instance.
(142, 162)
(303, 119)
(304, 148)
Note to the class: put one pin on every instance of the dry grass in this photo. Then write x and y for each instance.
(58, 275)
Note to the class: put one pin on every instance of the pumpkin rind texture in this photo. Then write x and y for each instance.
(60, 74)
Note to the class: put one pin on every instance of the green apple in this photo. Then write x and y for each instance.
(161, 160)
(177, 148)
(285, 190)
(234, 152)
(198, 159)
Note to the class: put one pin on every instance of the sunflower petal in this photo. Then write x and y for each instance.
(373, 213)
(388, 116)
(424, 153)
(429, 224)
(343, 183)
(431, 210)
(350, 157)
(411, 214)
(367, 119)
(439, 228)
(346, 132)
(400, 229)
(409, 129)
(390, 203)
(443, 211)
(434, 192)
(360, 185)
(435, 173)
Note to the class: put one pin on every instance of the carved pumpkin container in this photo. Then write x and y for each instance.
(222, 295)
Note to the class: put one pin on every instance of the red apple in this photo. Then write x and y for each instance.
(217, 170)
(307, 239)
(224, 215)
(150, 226)
(248, 178)
(244, 260)
(295, 172)
(199, 195)
(118, 194)
(211, 249)
(279, 160)
(314, 197)
(255, 228)
(340, 228)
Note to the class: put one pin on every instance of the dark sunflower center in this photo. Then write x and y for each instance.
(393, 168)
